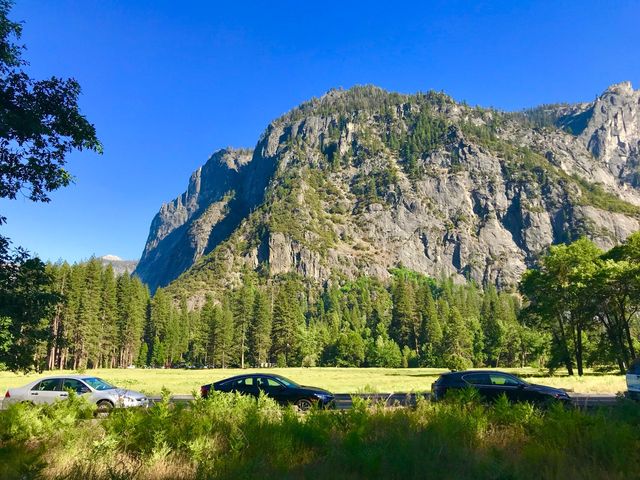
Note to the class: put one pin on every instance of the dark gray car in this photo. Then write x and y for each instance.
(491, 384)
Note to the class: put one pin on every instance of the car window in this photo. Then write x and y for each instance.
(273, 383)
(286, 382)
(249, 381)
(75, 385)
(49, 385)
(98, 384)
(504, 380)
(477, 379)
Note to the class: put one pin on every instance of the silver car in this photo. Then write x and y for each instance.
(94, 389)
(633, 381)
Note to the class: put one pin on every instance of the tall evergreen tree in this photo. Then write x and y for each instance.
(287, 315)
(431, 330)
(260, 330)
(458, 342)
(405, 323)
(243, 313)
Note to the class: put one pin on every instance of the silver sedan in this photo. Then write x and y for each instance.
(94, 389)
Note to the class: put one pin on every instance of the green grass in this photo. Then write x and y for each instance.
(338, 380)
(231, 436)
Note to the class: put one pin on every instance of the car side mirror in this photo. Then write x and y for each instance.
(521, 386)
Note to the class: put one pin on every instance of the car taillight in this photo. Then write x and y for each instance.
(204, 391)
(7, 395)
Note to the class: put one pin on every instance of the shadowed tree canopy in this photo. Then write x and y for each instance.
(40, 122)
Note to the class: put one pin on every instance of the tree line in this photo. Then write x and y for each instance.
(578, 309)
(97, 319)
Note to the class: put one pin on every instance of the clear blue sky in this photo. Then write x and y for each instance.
(166, 83)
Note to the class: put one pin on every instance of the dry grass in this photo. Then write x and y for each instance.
(338, 380)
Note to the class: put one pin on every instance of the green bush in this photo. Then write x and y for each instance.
(231, 436)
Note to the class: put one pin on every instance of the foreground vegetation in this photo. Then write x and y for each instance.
(230, 436)
(338, 380)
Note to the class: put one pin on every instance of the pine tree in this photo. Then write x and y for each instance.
(161, 320)
(223, 335)
(108, 319)
(458, 342)
(287, 315)
(89, 316)
(260, 330)
(243, 313)
(431, 330)
(405, 323)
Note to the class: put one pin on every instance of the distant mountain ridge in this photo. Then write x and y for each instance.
(362, 180)
(119, 265)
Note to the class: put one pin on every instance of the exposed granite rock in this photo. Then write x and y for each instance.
(180, 233)
(325, 193)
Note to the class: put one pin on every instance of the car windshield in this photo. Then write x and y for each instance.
(287, 382)
(98, 383)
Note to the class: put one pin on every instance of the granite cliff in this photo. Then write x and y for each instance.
(361, 180)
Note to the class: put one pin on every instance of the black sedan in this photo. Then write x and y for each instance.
(281, 389)
(492, 384)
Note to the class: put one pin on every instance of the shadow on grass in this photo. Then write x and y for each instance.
(19, 460)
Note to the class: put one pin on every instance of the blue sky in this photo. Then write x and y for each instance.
(167, 83)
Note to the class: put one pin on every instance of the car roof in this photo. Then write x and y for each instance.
(247, 375)
(75, 377)
(57, 377)
(467, 372)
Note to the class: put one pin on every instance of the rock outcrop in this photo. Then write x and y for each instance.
(360, 181)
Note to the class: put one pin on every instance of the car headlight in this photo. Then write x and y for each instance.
(126, 400)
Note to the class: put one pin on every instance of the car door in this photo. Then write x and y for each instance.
(250, 387)
(45, 391)
(511, 387)
(245, 385)
(74, 385)
(481, 382)
(271, 387)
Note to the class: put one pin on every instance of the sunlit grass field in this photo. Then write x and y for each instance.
(337, 380)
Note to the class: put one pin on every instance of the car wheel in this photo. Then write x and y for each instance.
(104, 407)
(304, 404)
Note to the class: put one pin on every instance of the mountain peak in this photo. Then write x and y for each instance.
(111, 258)
(621, 88)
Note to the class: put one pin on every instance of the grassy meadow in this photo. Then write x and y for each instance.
(337, 380)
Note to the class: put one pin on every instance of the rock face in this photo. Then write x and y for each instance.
(192, 224)
(363, 180)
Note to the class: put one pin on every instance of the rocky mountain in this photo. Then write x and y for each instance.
(362, 180)
(119, 265)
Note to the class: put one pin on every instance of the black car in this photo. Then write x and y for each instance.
(492, 384)
(281, 389)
